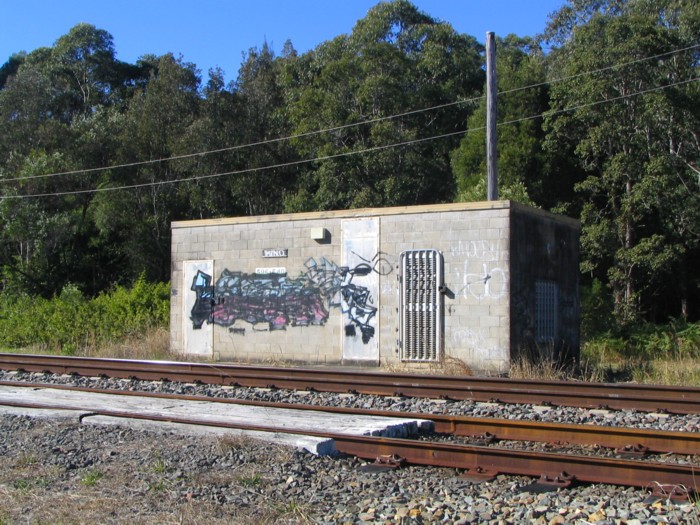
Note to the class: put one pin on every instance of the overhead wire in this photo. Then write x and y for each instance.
(344, 126)
(348, 153)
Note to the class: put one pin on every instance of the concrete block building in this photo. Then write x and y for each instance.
(406, 287)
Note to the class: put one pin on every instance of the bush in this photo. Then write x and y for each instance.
(70, 321)
(666, 354)
(596, 311)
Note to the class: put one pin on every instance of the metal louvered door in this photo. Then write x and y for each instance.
(420, 306)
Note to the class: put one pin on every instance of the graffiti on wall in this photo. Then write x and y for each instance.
(481, 278)
(201, 285)
(490, 283)
(272, 301)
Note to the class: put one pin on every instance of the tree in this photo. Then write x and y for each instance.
(520, 73)
(48, 104)
(83, 67)
(11, 67)
(157, 117)
(260, 89)
(48, 242)
(216, 127)
(396, 60)
(627, 107)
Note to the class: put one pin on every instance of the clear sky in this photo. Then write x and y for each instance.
(213, 33)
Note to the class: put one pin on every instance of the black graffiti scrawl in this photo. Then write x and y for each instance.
(277, 301)
(201, 311)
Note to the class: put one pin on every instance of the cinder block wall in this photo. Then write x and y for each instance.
(476, 241)
(545, 252)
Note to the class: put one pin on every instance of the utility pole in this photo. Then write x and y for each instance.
(491, 113)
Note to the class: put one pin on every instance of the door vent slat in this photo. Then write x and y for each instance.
(420, 305)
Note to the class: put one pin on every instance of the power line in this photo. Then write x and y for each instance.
(345, 126)
(249, 145)
(239, 172)
(350, 153)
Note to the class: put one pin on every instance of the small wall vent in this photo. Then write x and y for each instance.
(546, 311)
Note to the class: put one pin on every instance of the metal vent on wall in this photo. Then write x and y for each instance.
(420, 305)
(546, 311)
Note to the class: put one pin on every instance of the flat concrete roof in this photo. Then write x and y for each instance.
(375, 212)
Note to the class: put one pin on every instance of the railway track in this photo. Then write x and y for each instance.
(484, 461)
(626, 441)
(651, 398)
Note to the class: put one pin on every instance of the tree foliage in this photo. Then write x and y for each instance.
(627, 108)
(395, 59)
(519, 62)
(598, 118)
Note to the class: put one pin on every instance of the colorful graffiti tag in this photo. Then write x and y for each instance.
(273, 302)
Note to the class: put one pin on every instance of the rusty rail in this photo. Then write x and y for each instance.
(495, 429)
(493, 460)
(472, 459)
(680, 400)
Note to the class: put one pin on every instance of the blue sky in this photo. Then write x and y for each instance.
(217, 32)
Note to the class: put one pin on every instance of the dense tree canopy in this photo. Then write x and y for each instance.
(395, 60)
(627, 108)
(598, 118)
(519, 63)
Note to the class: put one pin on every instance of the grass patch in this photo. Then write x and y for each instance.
(652, 354)
(26, 459)
(29, 484)
(158, 486)
(250, 481)
(289, 512)
(91, 477)
(667, 354)
(159, 466)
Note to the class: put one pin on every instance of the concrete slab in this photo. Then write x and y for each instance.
(315, 445)
(204, 412)
(74, 415)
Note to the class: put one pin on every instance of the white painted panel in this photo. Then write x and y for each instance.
(198, 335)
(360, 290)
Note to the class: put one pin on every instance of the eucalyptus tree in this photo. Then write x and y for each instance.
(522, 100)
(267, 164)
(50, 104)
(11, 67)
(381, 95)
(626, 104)
(150, 132)
(209, 143)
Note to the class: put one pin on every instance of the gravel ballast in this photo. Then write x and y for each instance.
(60, 471)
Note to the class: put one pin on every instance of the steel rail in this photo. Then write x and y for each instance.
(474, 459)
(680, 400)
(477, 429)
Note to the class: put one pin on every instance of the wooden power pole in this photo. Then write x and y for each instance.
(491, 112)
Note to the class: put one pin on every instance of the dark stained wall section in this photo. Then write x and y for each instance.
(545, 313)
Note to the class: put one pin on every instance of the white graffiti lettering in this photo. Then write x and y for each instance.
(491, 283)
(482, 250)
